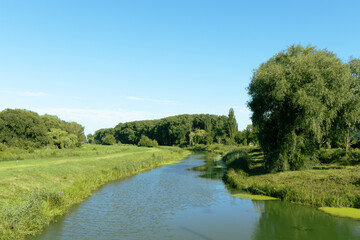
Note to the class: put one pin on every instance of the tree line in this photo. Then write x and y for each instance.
(27, 129)
(304, 100)
(181, 130)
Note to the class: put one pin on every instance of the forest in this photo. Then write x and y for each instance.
(181, 130)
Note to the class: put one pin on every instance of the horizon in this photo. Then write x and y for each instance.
(100, 64)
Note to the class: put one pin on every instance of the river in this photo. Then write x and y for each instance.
(173, 202)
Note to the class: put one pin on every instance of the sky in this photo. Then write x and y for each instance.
(103, 62)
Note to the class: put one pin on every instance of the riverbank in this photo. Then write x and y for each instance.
(34, 191)
(326, 185)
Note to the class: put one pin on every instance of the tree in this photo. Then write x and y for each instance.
(147, 142)
(61, 139)
(108, 140)
(22, 128)
(295, 97)
(232, 126)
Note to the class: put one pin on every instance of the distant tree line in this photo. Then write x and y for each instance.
(27, 129)
(304, 100)
(178, 130)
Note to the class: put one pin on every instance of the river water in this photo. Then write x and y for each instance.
(172, 202)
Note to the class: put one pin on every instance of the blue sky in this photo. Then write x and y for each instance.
(104, 62)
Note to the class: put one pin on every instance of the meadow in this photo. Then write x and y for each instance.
(38, 186)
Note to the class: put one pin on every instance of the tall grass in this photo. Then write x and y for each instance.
(33, 192)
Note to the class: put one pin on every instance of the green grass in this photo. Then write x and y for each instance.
(34, 191)
(353, 213)
(50, 152)
(326, 185)
(253, 196)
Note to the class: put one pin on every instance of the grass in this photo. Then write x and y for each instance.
(49, 152)
(326, 185)
(34, 191)
(353, 213)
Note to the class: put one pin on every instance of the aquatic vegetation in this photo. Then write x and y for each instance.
(342, 212)
(253, 196)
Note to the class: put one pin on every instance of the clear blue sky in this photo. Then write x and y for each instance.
(104, 62)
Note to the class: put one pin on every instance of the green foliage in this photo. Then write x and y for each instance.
(331, 155)
(295, 98)
(238, 159)
(200, 136)
(147, 142)
(176, 130)
(90, 139)
(108, 140)
(325, 185)
(246, 137)
(21, 128)
(100, 135)
(61, 139)
(232, 126)
(346, 127)
(71, 128)
(27, 130)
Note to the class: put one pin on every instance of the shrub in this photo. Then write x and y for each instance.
(331, 155)
(237, 160)
(108, 140)
(147, 142)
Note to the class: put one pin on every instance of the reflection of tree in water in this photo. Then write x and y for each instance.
(281, 220)
(211, 169)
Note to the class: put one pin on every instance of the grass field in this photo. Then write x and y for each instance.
(326, 185)
(34, 191)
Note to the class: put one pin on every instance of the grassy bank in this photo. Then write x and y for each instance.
(50, 152)
(34, 191)
(326, 185)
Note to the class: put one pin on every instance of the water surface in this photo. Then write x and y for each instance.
(172, 202)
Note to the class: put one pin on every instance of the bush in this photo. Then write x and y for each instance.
(108, 140)
(237, 160)
(331, 155)
(3, 147)
(147, 142)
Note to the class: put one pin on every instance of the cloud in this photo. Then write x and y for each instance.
(153, 100)
(36, 94)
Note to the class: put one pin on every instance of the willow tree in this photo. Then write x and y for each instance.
(295, 97)
(347, 125)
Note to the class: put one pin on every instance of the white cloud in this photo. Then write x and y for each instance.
(153, 100)
(36, 94)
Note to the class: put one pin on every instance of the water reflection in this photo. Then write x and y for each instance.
(174, 202)
(281, 220)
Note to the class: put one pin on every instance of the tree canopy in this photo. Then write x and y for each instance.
(26, 129)
(296, 97)
(176, 130)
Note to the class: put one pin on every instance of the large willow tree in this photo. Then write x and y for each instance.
(295, 98)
